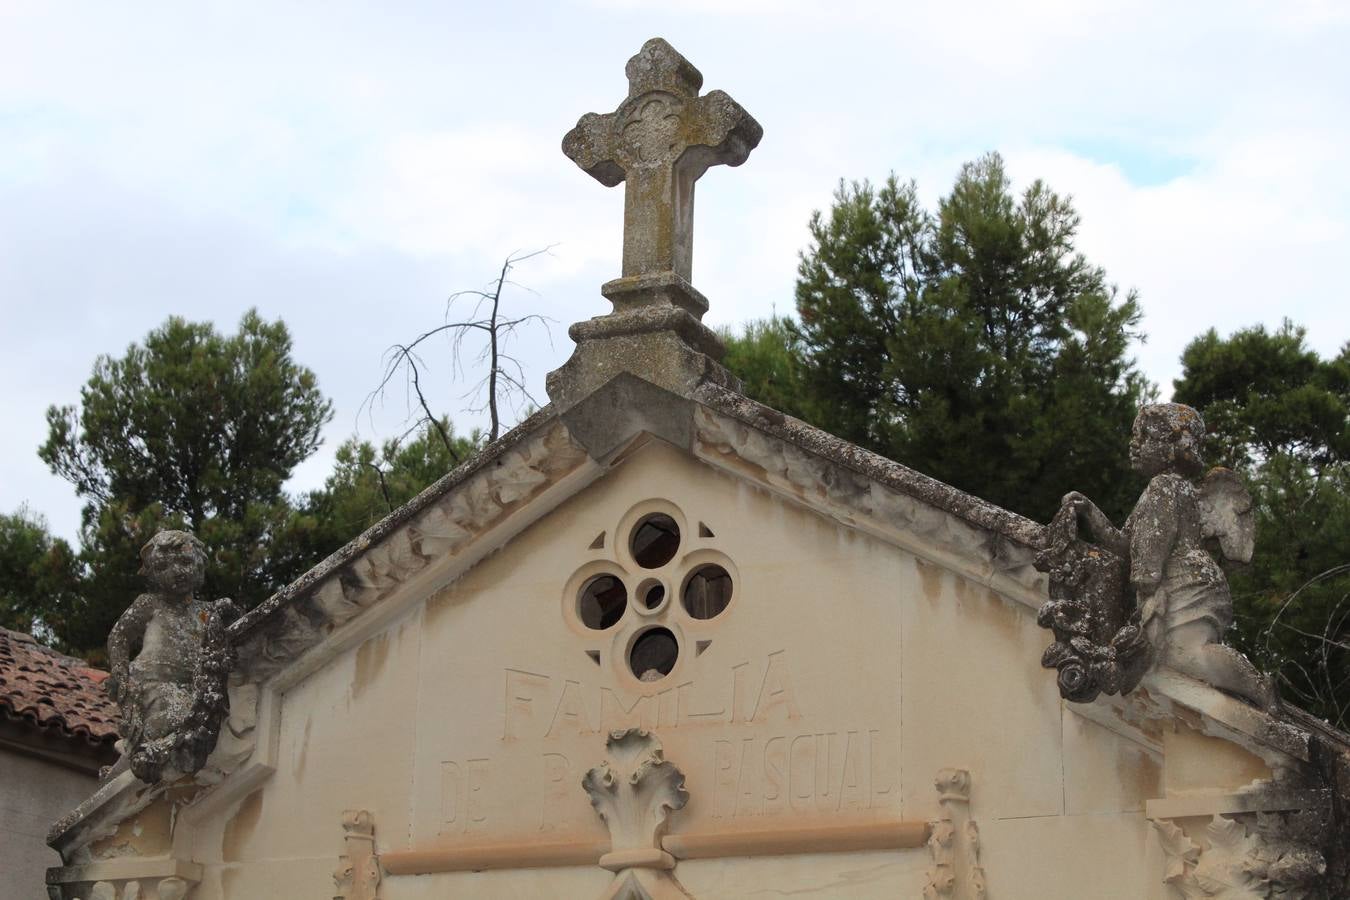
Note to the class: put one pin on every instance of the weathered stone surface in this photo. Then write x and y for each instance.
(447, 516)
(1174, 605)
(172, 695)
(659, 141)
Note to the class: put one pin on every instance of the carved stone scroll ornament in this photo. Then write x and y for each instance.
(1251, 855)
(954, 843)
(634, 790)
(358, 873)
(173, 696)
(1150, 590)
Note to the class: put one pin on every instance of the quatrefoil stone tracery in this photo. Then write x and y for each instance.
(645, 607)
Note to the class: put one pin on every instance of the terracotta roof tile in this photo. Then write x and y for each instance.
(54, 691)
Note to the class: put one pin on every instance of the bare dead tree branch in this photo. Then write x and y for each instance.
(505, 378)
(1320, 664)
(384, 485)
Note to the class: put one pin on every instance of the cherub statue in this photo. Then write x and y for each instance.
(172, 694)
(1181, 605)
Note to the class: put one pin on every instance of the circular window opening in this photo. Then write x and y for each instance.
(602, 602)
(653, 594)
(653, 655)
(707, 592)
(655, 541)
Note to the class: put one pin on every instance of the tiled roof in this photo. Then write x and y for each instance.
(53, 691)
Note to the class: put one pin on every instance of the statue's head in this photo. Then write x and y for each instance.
(174, 562)
(1166, 438)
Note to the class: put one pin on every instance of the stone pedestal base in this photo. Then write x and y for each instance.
(654, 333)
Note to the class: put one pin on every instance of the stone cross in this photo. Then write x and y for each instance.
(659, 141)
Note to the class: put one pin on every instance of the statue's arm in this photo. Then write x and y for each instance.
(1098, 525)
(130, 625)
(1152, 535)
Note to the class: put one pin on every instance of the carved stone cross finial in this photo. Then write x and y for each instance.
(659, 141)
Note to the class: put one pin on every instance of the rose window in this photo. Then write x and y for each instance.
(651, 599)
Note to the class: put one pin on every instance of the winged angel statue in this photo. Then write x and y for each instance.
(1150, 592)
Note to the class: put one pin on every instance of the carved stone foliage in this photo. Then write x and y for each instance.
(358, 873)
(341, 589)
(1250, 855)
(634, 790)
(171, 888)
(861, 488)
(954, 843)
(1099, 646)
(123, 878)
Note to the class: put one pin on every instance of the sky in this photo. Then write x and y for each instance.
(347, 167)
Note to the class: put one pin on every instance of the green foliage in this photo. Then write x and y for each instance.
(1266, 394)
(202, 423)
(767, 357)
(38, 573)
(366, 485)
(190, 429)
(1280, 414)
(974, 344)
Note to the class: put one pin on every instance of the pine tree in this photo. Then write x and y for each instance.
(974, 344)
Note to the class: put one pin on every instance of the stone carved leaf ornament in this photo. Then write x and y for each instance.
(636, 789)
(1181, 852)
(1224, 869)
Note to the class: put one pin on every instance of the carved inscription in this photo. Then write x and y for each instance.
(817, 772)
(465, 787)
(761, 756)
(539, 706)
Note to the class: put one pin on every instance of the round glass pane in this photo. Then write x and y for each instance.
(707, 592)
(655, 541)
(653, 655)
(602, 602)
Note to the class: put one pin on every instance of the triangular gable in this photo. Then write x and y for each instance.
(475, 509)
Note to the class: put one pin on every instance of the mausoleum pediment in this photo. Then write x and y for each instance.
(660, 640)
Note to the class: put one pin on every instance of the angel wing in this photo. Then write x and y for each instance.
(1226, 514)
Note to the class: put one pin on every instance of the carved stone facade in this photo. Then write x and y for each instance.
(437, 526)
(445, 672)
